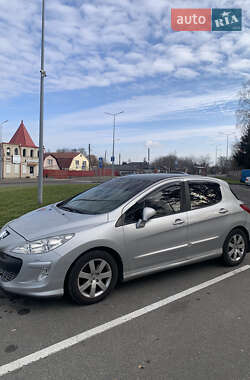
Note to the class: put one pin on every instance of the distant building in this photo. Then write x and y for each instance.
(200, 170)
(20, 155)
(133, 168)
(50, 162)
(65, 161)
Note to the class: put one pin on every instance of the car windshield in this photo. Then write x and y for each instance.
(107, 196)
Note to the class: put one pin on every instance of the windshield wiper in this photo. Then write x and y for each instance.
(69, 209)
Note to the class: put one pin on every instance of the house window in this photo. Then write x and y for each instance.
(77, 163)
(16, 151)
(50, 162)
(31, 153)
(8, 151)
(84, 165)
(24, 152)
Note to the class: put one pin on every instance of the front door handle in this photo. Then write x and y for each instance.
(178, 221)
(223, 211)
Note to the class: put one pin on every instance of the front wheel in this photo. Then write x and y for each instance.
(235, 248)
(92, 277)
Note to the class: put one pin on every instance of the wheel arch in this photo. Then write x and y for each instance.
(243, 229)
(111, 251)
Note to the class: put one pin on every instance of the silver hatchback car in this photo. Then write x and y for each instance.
(122, 229)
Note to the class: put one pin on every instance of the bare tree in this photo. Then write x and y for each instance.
(75, 150)
(241, 153)
(243, 112)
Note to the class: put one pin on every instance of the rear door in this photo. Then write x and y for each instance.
(208, 218)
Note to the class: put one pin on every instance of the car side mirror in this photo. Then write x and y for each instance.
(147, 213)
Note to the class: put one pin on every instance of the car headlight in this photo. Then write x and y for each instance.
(43, 245)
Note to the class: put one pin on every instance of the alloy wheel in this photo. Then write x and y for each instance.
(236, 247)
(94, 278)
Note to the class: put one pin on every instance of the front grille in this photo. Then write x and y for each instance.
(7, 276)
(9, 267)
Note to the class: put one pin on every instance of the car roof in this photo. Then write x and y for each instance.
(155, 177)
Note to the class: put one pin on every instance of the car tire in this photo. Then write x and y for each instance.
(92, 277)
(235, 247)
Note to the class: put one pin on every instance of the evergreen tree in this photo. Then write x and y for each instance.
(242, 151)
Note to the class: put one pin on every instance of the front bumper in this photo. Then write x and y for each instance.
(29, 276)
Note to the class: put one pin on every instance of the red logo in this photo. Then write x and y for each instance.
(191, 19)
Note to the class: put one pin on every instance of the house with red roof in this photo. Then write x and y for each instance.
(20, 156)
(65, 161)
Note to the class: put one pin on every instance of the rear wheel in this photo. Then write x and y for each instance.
(92, 277)
(235, 248)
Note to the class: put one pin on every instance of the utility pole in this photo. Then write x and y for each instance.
(113, 147)
(148, 155)
(1, 149)
(89, 159)
(43, 75)
(119, 158)
(216, 154)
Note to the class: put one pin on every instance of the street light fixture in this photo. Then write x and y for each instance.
(1, 157)
(113, 150)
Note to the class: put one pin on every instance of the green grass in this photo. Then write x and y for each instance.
(16, 201)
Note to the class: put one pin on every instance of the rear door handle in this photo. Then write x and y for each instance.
(223, 211)
(178, 221)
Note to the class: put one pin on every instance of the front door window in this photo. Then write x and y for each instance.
(166, 201)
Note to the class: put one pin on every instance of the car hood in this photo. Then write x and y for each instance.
(50, 221)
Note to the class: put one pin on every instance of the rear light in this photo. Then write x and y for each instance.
(245, 208)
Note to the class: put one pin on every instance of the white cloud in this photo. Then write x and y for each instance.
(240, 64)
(186, 73)
(100, 43)
(87, 124)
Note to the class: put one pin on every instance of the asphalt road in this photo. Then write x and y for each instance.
(202, 335)
(51, 181)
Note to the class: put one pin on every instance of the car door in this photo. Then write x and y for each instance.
(163, 239)
(208, 217)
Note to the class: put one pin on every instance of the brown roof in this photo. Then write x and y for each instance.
(63, 159)
(22, 137)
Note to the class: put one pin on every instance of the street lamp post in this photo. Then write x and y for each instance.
(43, 75)
(216, 153)
(1, 156)
(227, 134)
(113, 148)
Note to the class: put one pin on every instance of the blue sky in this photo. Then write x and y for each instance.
(178, 90)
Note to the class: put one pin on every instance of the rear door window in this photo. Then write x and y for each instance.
(204, 194)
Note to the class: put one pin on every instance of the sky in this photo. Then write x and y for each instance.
(178, 90)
